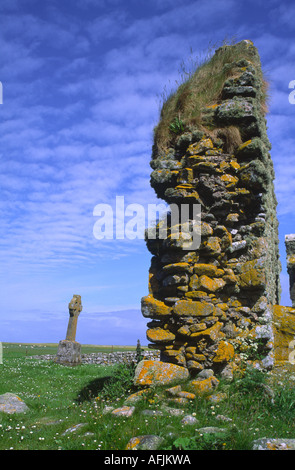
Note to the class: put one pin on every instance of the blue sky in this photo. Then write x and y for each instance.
(82, 85)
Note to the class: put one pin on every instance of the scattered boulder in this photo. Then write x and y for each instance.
(146, 442)
(189, 420)
(124, 411)
(274, 444)
(200, 387)
(73, 428)
(11, 403)
(159, 373)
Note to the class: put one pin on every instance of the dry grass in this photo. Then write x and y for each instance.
(202, 89)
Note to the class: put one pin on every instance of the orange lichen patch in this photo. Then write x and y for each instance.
(252, 274)
(196, 358)
(217, 397)
(174, 390)
(206, 229)
(284, 333)
(187, 395)
(291, 259)
(235, 165)
(135, 397)
(184, 186)
(190, 308)
(177, 267)
(157, 372)
(200, 147)
(186, 175)
(206, 167)
(193, 159)
(196, 294)
(223, 306)
(207, 269)
(159, 335)
(234, 217)
(213, 245)
(278, 446)
(212, 106)
(153, 308)
(230, 180)
(199, 387)
(225, 352)
(133, 443)
(210, 285)
(184, 330)
(236, 304)
(124, 411)
(242, 191)
(243, 145)
(198, 327)
(213, 333)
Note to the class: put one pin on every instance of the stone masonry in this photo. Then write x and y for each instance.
(211, 308)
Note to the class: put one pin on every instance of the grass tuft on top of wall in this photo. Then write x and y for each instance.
(182, 109)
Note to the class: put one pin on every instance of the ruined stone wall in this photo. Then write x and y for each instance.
(212, 307)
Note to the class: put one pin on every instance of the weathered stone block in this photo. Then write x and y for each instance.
(284, 333)
(158, 372)
(159, 335)
(153, 308)
(253, 274)
(184, 308)
(200, 387)
(225, 352)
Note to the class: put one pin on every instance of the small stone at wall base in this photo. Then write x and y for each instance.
(159, 373)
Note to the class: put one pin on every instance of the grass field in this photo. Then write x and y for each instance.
(60, 398)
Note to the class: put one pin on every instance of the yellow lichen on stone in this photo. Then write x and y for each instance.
(190, 308)
(159, 335)
(199, 387)
(203, 268)
(212, 245)
(153, 308)
(206, 229)
(223, 306)
(213, 333)
(290, 259)
(235, 165)
(200, 147)
(243, 145)
(177, 267)
(225, 352)
(230, 180)
(196, 294)
(133, 443)
(224, 165)
(284, 333)
(252, 274)
(150, 372)
(209, 284)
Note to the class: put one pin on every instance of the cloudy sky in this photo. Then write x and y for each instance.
(82, 87)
